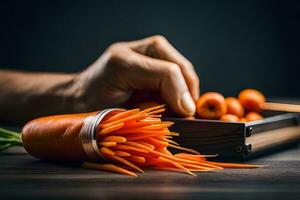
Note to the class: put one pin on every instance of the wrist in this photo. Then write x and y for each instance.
(75, 94)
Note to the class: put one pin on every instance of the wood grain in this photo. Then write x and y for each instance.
(23, 177)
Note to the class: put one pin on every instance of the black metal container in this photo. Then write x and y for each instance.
(232, 140)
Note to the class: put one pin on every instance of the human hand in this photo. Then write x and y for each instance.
(151, 64)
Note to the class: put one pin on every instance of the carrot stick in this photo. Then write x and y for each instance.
(155, 116)
(106, 151)
(170, 169)
(152, 120)
(156, 111)
(137, 159)
(134, 124)
(147, 110)
(181, 160)
(111, 128)
(176, 165)
(108, 167)
(129, 148)
(122, 153)
(197, 167)
(166, 151)
(141, 131)
(134, 137)
(126, 162)
(174, 133)
(132, 117)
(171, 141)
(139, 145)
(107, 144)
(156, 143)
(118, 139)
(184, 149)
(147, 144)
(121, 115)
(193, 156)
(158, 126)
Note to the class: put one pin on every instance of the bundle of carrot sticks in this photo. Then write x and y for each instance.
(136, 139)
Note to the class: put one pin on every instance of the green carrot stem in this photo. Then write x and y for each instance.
(5, 132)
(9, 139)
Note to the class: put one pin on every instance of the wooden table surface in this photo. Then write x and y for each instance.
(22, 176)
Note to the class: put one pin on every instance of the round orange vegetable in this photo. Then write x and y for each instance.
(252, 100)
(234, 107)
(253, 116)
(229, 118)
(211, 105)
(243, 119)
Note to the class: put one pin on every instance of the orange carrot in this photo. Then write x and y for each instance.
(147, 110)
(131, 139)
(107, 144)
(126, 162)
(184, 149)
(156, 111)
(137, 159)
(108, 167)
(107, 151)
(139, 145)
(132, 117)
(122, 153)
(129, 148)
(176, 164)
(117, 139)
(121, 115)
(111, 128)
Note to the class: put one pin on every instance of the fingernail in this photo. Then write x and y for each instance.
(188, 104)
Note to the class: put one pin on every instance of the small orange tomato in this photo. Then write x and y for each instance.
(234, 107)
(243, 119)
(211, 105)
(253, 116)
(229, 118)
(252, 100)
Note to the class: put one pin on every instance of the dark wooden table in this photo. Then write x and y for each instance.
(22, 176)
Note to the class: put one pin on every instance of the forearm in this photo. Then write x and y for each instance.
(24, 96)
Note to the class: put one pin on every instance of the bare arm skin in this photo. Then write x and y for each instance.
(148, 64)
(24, 95)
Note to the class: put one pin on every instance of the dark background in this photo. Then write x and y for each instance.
(233, 44)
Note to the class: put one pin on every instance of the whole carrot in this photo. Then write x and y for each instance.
(123, 141)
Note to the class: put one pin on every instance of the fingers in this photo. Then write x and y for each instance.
(166, 77)
(159, 47)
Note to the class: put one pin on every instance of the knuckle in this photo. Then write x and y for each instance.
(195, 79)
(115, 47)
(189, 64)
(172, 71)
(115, 57)
(158, 39)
